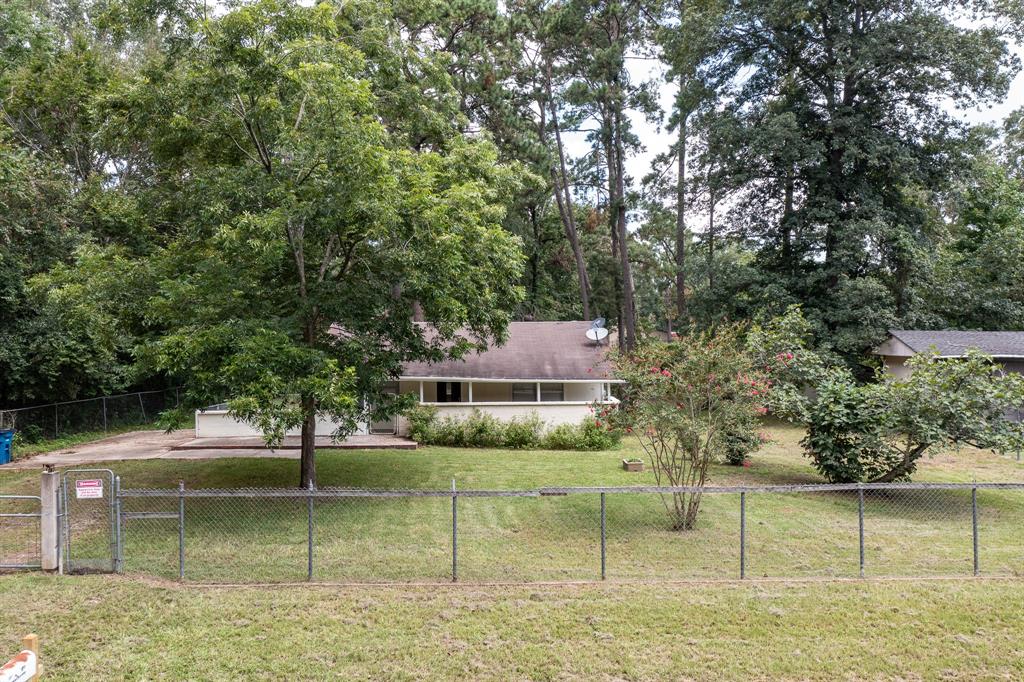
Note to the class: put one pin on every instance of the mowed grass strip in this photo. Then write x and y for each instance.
(109, 627)
(552, 538)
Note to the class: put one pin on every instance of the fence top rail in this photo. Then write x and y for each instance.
(37, 498)
(87, 400)
(327, 493)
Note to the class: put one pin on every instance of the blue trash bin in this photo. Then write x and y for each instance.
(6, 437)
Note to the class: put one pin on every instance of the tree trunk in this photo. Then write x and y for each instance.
(628, 302)
(904, 467)
(711, 241)
(307, 457)
(787, 217)
(613, 229)
(563, 197)
(681, 308)
(307, 466)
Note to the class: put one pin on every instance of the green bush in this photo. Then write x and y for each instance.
(523, 433)
(587, 435)
(422, 422)
(481, 430)
(29, 435)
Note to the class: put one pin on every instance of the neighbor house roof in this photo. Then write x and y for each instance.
(544, 351)
(953, 343)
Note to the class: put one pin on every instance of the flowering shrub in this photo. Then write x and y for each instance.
(686, 402)
(780, 350)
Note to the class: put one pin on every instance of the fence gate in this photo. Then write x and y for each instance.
(19, 531)
(88, 502)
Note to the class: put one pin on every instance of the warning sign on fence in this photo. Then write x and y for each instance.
(89, 489)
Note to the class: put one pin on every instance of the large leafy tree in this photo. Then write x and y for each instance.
(327, 210)
(845, 139)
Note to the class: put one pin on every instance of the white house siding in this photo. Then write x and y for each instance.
(896, 366)
(494, 398)
(552, 414)
(220, 424)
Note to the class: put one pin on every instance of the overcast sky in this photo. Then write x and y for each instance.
(656, 139)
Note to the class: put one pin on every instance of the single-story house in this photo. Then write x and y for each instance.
(549, 368)
(1007, 348)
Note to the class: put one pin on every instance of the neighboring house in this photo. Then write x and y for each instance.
(548, 368)
(1006, 347)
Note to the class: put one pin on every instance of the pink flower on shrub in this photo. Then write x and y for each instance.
(666, 373)
(762, 410)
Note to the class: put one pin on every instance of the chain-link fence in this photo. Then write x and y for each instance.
(56, 420)
(19, 531)
(569, 534)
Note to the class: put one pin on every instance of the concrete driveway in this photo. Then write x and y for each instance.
(183, 445)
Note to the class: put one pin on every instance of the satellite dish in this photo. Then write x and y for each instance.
(597, 323)
(596, 334)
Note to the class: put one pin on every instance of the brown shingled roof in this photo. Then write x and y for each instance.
(544, 351)
(955, 343)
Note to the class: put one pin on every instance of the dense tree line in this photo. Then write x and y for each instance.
(187, 188)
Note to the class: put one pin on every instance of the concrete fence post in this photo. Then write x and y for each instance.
(49, 535)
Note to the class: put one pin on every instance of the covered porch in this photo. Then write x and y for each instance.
(554, 402)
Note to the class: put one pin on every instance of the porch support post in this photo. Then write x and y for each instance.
(421, 391)
(538, 391)
(470, 391)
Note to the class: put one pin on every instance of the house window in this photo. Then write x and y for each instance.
(524, 393)
(449, 392)
(552, 393)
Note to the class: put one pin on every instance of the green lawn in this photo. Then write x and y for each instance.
(98, 627)
(551, 538)
(143, 626)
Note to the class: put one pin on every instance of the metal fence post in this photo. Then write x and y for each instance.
(104, 415)
(142, 407)
(309, 528)
(603, 539)
(974, 525)
(455, 534)
(743, 535)
(181, 530)
(860, 525)
(118, 538)
(56, 422)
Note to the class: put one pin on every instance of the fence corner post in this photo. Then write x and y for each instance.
(455, 534)
(49, 535)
